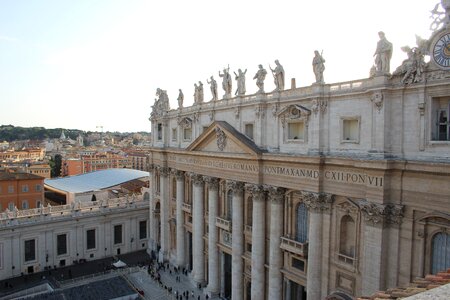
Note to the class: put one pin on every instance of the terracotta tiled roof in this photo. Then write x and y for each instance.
(417, 286)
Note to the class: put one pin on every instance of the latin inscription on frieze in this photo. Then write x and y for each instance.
(254, 168)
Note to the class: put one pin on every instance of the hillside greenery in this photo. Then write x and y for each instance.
(12, 133)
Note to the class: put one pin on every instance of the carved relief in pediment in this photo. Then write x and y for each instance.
(293, 112)
(185, 122)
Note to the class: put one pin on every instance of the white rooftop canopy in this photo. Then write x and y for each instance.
(94, 181)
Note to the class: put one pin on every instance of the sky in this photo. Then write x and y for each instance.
(90, 63)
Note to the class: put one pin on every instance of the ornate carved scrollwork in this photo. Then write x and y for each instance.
(221, 139)
(319, 105)
(276, 194)
(377, 99)
(236, 186)
(179, 174)
(213, 182)
(317, 202)
(380, 214)
(258, 192)
(197, 179)
(164, 171)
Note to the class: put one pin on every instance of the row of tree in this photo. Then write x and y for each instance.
(12, 133)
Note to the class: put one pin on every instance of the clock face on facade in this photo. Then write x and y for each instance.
(441, 52)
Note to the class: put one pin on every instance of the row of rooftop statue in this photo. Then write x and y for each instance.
(412, 70)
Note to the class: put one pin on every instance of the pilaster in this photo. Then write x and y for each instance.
(181, 255)
(237, 235)
(213, 252)
(258, 242)
(164, 214)
(276, 196)
(198, 263)
(317, 204)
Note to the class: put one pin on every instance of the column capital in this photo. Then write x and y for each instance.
(163, 171)
(236, 186)
(276, 194)
(177, 173)
(317, 202)
(197, 179)
(213, 182)
(257, 190)
(376, 214)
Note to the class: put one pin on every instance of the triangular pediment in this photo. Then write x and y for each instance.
(223, 138)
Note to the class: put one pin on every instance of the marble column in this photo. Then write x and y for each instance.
(237, 243)
(316, 203)
(151, 241)
(258, 242)
(378, 218)
(213, 252)
(164, 213)
(198, 263)
(276, 196)
(181, 255)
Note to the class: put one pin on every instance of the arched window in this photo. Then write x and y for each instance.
(347, 236)
(249, 211)
(440, 260)
(229, 204)
(301, 223)
(146, 196)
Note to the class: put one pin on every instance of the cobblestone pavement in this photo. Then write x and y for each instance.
(154, 291)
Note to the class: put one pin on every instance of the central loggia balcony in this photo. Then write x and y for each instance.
(223, 223)
(294, 246)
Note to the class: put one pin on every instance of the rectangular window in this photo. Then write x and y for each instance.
(159, 132)
(441, 115)
(25, 188)
(249, 131)
(10, 189)
(38, 188)
(61, 244)
(350, 130)
(298, 264)
(30, 250)
(25, 204)
(174, 134)
(142, 230)
(117, 234)
(90, 239)
(295, 131)
(187, 134)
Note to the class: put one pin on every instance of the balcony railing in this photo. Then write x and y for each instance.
(294, 246)
(346, 259)
(187, 208)
(224, 224)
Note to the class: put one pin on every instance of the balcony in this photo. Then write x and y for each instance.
(224, 224)
(295, 247)
(346, 259)
(187, 208)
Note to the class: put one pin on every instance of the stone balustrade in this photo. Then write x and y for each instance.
(294, 246)
(18, 217)
(186, 207)
(224, 224)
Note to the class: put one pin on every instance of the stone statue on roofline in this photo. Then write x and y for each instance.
(413, 67)
(318, 64)
(200, 93)
(213, 86)
(278, 76)
(161, 104)
(180, 98)
(383, 55)
(227, 82)
(260, 76)
(240, 78)
(195, 93)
